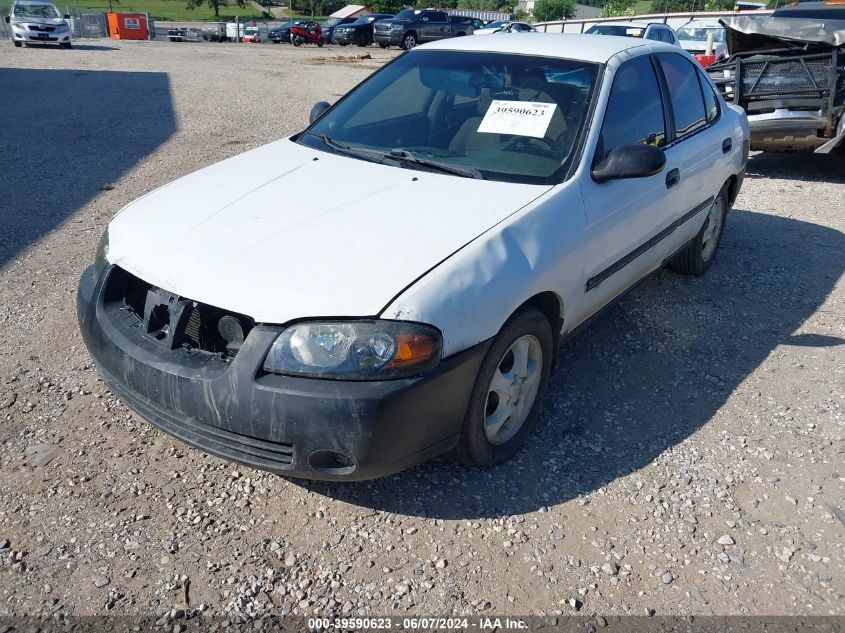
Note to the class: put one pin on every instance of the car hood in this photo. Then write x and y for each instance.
(47, 21)
(761, 33)
(285, 231)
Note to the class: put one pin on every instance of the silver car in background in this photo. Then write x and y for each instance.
(35, 22)
(693, 35)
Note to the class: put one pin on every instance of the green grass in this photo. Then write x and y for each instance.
(162, 9)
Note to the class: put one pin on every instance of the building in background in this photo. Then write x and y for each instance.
(352, 11)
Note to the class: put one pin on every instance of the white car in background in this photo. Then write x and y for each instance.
(692, 37)
(656, 31)
(36, 22)
(491, 196)
(504, 26)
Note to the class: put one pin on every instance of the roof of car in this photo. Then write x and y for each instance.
(591, 48)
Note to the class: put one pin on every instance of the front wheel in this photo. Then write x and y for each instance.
(409, 41)
(508, 391)
(297, 41)
(697, 256)
(320, 43)
(383, 45)
(18, 44)
(65, 45)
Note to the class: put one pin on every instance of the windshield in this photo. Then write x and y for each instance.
(699, 34)
(36, 11)
(406, 14)
(615, 29)
(514, 118)
(495, 25)
(332, 22)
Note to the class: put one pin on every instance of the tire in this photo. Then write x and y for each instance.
(66, 46)
(697, 256)
(320, 43)
(297, 41)
(483, 443)
(361, 40)
(18, 44)
(383, 45)
(409, 41)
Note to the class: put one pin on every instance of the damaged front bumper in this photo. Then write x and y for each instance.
(304, 427)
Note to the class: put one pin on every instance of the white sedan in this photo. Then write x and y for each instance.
(484, 199)
(505, 27)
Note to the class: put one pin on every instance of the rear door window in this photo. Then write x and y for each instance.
(684, 93)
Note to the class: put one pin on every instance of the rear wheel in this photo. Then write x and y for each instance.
(697, 256)
(362, 40)
(409, 41)
(320, 43)
(508, 391)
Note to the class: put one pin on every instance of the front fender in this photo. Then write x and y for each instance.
(470, 295)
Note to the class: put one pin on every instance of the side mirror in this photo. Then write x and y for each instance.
(629, 161)
(318, 110)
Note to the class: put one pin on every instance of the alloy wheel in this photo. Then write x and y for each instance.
(513, 389)
(714, 228)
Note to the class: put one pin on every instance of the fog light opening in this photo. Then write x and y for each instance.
(332, 462)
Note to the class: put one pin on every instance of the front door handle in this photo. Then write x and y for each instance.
(727, 144)
(673, 177)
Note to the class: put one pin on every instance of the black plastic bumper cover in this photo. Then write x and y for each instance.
(234, 410)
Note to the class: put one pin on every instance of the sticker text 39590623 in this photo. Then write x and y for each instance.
(524, 118)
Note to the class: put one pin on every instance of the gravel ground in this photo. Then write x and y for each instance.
(689, 460)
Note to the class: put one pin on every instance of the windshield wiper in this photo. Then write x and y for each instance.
(372, 156)
(398, 156)
(404, 156)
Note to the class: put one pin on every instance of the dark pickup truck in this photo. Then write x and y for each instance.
(417, 26)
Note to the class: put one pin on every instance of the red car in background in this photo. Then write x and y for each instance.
(306, 32)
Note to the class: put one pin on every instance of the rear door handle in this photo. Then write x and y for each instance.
(673, 177)
(727, 144)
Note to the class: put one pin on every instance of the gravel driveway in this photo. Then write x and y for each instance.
(690, 459)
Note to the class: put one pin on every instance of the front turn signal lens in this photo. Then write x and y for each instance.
(412, 349)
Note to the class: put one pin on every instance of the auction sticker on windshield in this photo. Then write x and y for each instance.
(523, 118)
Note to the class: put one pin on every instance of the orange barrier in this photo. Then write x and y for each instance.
(128, 26)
